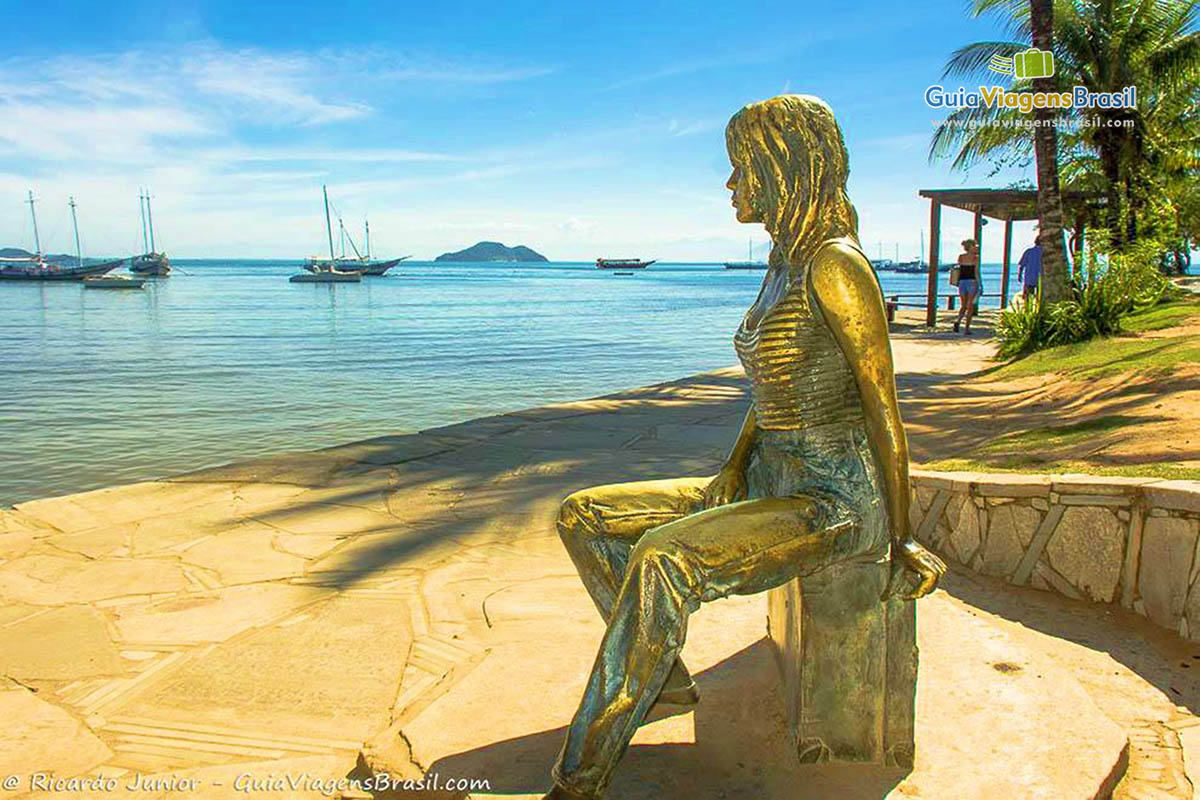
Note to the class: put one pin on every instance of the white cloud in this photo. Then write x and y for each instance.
(236, 142)
(205, 89)
(899, 142)
(267, 88)
(58, 132)
(574, 226)
(759, 55)
(243, 154)
(242, 83)
(677, 128)
(459, 73)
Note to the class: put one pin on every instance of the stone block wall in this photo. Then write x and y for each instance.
(1132, 541)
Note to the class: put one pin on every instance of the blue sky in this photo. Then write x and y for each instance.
(579, 129)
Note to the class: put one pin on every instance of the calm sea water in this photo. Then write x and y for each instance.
(226, 360)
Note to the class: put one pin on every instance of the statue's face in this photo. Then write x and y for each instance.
(740, 187)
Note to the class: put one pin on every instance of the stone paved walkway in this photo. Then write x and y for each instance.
(406, 599)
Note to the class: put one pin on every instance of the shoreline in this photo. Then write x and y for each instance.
(138, 623)
(916, 357)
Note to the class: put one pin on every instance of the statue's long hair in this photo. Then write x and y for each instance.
(795, 164)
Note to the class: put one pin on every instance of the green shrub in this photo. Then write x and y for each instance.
(1108, 288)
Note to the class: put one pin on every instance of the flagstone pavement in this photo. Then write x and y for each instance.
(404, 603)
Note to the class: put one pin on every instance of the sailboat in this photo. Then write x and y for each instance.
(918, 264)
(749, 263)
(150, 262)
(359, 262)
(322, 270)
(35, 267)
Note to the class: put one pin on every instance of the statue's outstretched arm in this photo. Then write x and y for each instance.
(848, 295)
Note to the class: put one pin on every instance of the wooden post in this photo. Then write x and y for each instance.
(1080, 240)
(1007, 263)
(935, 240)
(978, 236)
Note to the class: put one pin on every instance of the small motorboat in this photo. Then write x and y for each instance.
(346, 265)
(327, 276)
(113, 282)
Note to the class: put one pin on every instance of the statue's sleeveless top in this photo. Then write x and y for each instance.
(799, 377)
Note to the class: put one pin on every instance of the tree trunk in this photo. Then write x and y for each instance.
(1045, 147)
(1110, 163)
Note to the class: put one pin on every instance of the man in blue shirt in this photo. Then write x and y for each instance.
(1029, 269)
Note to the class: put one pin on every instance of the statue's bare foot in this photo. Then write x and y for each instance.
(561, 793)
(679, 689)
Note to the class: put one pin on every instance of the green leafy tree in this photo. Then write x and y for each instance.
(1132, 155)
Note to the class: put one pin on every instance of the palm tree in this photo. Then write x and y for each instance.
(1104, 46)
(1045, 147)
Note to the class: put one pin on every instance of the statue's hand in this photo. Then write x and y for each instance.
(728, 486)
(913, 565)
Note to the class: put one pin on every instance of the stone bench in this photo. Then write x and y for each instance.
(849, 665)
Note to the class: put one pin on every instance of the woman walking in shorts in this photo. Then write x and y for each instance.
(968, 284)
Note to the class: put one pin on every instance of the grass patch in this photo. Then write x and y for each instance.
(1057, 435)
(1160, 470)
(1165, 315)
(1100, 358)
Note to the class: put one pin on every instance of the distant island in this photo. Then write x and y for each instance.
(16, 252)
(493, 251)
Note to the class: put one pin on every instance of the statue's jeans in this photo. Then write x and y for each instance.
(649, 554)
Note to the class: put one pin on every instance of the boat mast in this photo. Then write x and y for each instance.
(142, 208)
(150, 219)
(37, 242)
(367, 230)
(75, 225)
(328, 224)
(921, 252)
(342, 235)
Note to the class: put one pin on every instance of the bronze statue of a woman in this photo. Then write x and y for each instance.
(818, 474)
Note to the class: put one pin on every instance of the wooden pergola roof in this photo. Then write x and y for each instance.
(1005, 204)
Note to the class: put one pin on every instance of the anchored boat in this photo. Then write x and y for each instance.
(622, 263)
(150, 262)
(327, 276)
(359, 262)
(322, 270)
(36, 268)
(113, 282)
(749, 263)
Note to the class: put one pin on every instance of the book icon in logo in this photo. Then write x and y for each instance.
(1031, 63)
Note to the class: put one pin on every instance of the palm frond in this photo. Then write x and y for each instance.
(971, 61)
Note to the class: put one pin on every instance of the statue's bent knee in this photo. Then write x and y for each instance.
(575, 514)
